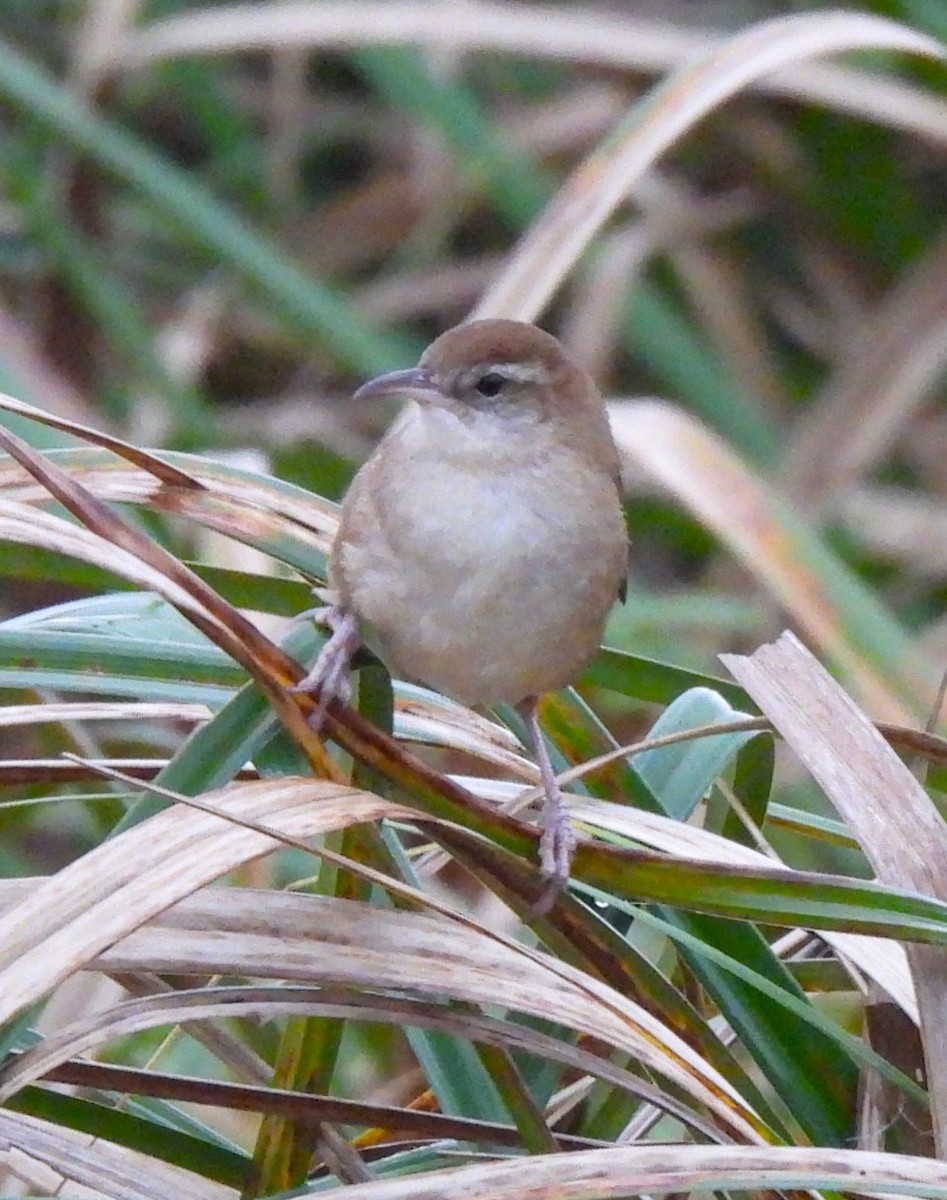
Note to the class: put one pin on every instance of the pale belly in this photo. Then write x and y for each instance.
(485, 590)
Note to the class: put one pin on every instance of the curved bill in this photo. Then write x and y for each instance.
(413, 384)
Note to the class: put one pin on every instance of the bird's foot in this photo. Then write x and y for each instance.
(556, 847)
(330, 678)
(557, 843)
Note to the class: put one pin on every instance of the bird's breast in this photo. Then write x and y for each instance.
(484, 580)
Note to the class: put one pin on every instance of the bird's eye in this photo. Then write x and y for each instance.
(490, 384)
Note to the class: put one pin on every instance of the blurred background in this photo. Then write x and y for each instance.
(216, 220)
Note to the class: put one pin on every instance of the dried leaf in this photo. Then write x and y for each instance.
(697, 466)
(555, 242)
(95, 1164)
(901, 833)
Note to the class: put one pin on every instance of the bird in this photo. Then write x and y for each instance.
(483, 544)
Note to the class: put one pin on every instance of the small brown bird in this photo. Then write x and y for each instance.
(483, 544)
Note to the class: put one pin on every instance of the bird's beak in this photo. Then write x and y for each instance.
(413, 384)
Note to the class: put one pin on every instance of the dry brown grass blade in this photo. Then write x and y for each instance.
(399, 1123)
(435, 724)
(599, 185)
(203, 492)
(118, 886)
(32, 1150)
(193, 1008)
(435, 720)
(590, 36)
(15, 771)
(929, 746)
(225, 625)
(622, 1171)
(141, 458)
(707, 476)
(880, 959)
(36, 714)
(234, 507)
(76, 915)
(919, 742)
(897, 826)
(895, 360)
(24, 524)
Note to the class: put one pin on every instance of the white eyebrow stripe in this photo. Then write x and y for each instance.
(519, 372)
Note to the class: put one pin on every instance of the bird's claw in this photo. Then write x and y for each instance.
(557, 844)
(556, 847)
(330, 677)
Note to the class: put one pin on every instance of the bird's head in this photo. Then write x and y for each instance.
(508, 370)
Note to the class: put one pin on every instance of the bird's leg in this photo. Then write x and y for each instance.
(330, 677)
(558, 841)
